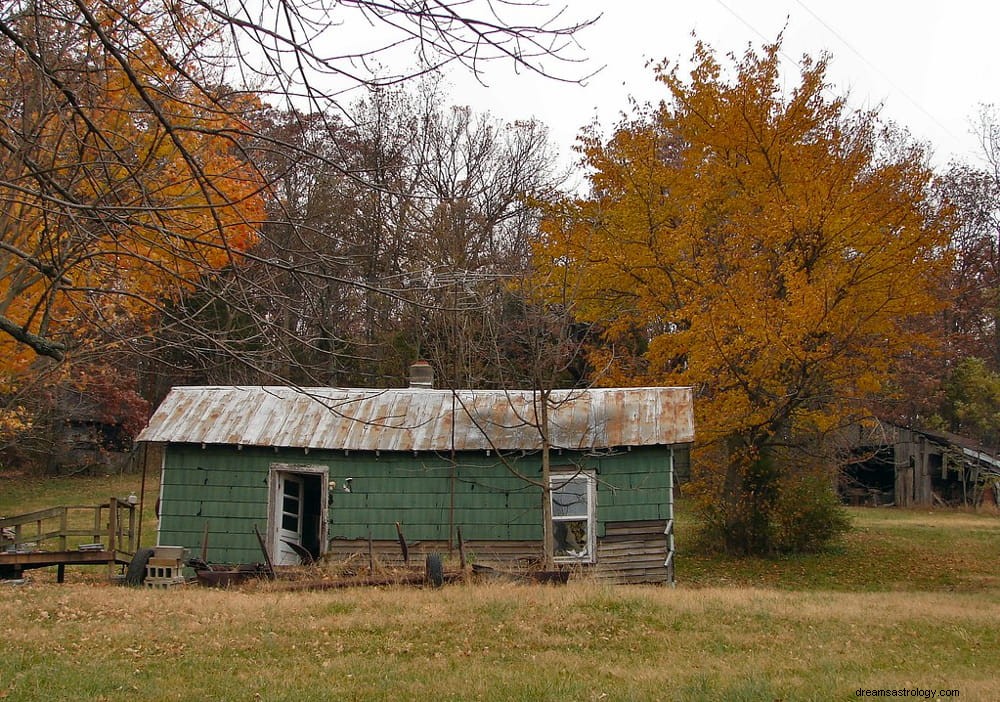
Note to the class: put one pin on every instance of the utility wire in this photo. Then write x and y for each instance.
(875, 68)
(847, 44)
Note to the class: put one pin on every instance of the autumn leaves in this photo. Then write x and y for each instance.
(767, 247)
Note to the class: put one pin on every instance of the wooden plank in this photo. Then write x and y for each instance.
(651, 566)
(634, 569)
(63, 528)
(20, 519)
(636, 526)
(637, 536)
(622, 559)
(461, 549)
(923, 479)
(659, 570)
(40, 559)
(97, 524)
(659, 540)
(643, 533)
(633, 551)
(651, 560)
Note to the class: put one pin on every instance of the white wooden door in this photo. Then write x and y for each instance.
(288, 517)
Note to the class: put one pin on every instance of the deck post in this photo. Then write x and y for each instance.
(97, 523)
(112, 524)
(113, 533)
(132, 535)
(63, 528)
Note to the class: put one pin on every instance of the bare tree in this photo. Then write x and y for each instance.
(138, 165)
(506, 333)
(80, 163)
(372, 278)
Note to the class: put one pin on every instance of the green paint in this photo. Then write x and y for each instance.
(228, 489)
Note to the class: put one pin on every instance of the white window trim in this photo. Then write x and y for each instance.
(560, 478)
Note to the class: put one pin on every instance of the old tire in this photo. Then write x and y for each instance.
(435, 570)
(135, 574)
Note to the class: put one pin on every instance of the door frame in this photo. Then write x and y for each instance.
(274, 499)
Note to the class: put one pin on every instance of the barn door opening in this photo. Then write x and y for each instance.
(297, 521)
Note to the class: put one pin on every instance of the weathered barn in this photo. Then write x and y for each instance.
(909, 467)
(330, 470)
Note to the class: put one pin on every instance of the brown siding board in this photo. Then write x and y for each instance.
(633, 552)
(637, 557)
(650, 526)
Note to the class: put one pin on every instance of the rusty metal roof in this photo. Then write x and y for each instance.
(413, 419)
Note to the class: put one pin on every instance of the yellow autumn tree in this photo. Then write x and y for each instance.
(120, 183)
(768, 246)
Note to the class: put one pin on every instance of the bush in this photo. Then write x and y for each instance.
(776, 504)
(807, 515)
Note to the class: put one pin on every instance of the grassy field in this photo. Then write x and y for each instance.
(887, 550)
(910, 600)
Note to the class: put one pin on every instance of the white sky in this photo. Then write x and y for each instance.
(929, 64)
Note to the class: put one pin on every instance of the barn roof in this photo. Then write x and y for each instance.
(420, 419)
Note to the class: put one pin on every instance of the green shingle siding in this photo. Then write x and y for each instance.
(228, 488)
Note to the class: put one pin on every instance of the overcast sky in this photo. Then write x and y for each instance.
(929, 64)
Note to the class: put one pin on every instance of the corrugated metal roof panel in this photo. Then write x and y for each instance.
(421, 419)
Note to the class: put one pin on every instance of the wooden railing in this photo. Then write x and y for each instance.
(108, 527)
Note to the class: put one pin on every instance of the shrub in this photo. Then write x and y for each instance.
(808, 515)
(782, 505)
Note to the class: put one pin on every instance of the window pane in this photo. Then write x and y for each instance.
(571, 539)
(569, 499)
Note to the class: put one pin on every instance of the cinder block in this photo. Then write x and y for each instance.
(164, 572)
(160, 583)
(172, 552)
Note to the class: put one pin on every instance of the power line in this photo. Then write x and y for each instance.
(847, 44)
(875, 68)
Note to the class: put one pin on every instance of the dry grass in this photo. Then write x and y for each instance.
(491, 642)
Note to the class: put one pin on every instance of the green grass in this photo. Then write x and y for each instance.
(886, 550)
(909, 600)
(21, 493)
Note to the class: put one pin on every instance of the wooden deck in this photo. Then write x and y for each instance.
(72, 535)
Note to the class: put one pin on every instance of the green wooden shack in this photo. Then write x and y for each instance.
(333, 471)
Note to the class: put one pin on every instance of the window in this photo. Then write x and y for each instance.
(573, 497)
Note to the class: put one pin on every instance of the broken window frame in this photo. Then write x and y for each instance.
(558, 480)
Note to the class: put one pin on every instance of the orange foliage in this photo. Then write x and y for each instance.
(771, 249)
(120, 188)
(765, 248)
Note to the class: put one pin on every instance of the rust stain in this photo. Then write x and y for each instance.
(417, 419)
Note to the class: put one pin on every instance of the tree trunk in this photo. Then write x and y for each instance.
(734, 526)
(548, 538)
(749, 495)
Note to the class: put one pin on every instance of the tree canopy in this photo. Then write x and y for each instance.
(768, 247)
